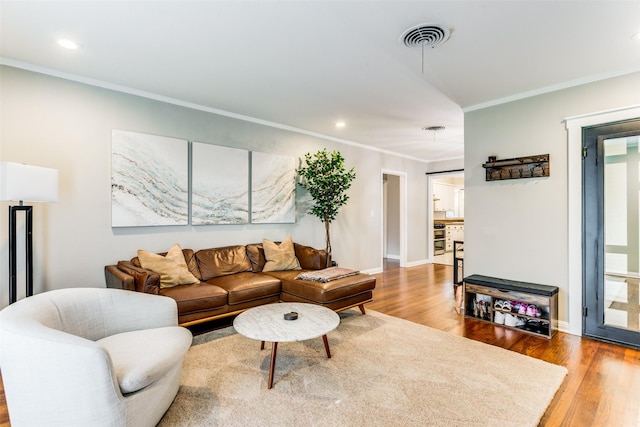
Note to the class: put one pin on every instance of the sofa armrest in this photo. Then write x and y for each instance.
(143, 280)
(118, 279)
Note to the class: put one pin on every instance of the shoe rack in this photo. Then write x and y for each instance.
(526, 307)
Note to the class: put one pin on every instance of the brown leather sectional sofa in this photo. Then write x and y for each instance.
(232, 280)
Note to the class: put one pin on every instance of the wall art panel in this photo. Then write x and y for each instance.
(220, 185)
(149, 180)
(273, 188)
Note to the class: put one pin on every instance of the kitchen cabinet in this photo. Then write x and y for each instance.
(453, 233)
(448, 198)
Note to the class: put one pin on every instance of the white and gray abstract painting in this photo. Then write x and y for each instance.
(149, 180)
(273, 188)
(220, 185)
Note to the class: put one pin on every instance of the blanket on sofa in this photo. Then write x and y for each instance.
(326, 275)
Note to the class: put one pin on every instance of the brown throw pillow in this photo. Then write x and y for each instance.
(280, 257)
(172, 268)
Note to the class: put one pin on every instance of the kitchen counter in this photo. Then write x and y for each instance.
(450, 221)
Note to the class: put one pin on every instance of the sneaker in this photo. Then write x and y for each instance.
(520, 321)
(522, 309)
(510, 320)
(531, 310)
(506, 306)
(498, 304)
(499, 317)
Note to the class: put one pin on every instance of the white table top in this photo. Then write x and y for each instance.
(266, 322)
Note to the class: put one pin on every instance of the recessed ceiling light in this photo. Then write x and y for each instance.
(68, 44)
(340, 124)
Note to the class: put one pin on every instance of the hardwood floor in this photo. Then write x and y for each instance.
(603, 383)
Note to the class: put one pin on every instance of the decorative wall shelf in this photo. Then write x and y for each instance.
(516, 168)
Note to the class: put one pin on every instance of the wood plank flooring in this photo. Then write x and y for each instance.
(603, 384)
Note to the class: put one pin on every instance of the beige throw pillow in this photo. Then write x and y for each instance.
(172, 268)
(280, 257)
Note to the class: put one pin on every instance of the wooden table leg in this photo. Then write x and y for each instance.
(274, 349)
(326, 346)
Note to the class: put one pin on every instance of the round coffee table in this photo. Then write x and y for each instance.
(267, 323)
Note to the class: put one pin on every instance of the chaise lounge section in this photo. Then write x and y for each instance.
(233, 279)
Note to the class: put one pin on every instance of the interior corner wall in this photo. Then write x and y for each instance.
(66, 125)
(518, 229)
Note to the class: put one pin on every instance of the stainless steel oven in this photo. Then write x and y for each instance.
(439, 238)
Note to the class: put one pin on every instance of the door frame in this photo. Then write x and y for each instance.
(574, 127)
(403, 214)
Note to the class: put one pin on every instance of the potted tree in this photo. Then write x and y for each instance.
(324, 176)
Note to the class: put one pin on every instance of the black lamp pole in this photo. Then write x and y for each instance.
(13, 268)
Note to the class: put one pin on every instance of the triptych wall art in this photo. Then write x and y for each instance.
(150, 183)
(273, 188)
(149, 180)
(220, 185)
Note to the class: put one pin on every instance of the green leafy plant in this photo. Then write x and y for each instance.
(324, 176)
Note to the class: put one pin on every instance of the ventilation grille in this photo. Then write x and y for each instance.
(425, 35)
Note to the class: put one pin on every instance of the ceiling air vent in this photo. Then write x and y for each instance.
(425, 35)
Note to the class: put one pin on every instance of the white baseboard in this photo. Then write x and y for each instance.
(392, 256)
(416, 263)
(563, 326)
(372, 270)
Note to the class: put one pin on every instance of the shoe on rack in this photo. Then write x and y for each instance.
(506, 305)
(498, 304)
(531, 310)
(522, 309)
(498, 317)
(482, 309)
(510, 320)
(520, 321)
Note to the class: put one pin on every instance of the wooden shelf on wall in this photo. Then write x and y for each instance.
(517, 168)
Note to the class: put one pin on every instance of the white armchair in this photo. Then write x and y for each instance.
(91, 357)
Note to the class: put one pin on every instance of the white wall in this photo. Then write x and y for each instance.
(518, 229)
(66, 125)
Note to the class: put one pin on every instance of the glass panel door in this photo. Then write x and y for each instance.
(611, 232)
(621, 224)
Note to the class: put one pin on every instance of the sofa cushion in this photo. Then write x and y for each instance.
(197, 297)
(243, 287)
(324, 292)
(189, 257)
(172, 268)
(255, 252)
(310, 258)
(280, 257)
(216, 262)
(140, 358)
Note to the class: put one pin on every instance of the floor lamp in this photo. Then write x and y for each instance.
(24, 183)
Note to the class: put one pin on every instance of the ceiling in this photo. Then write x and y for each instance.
(308, 64)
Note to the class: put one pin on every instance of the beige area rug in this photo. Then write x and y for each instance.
(384, 371)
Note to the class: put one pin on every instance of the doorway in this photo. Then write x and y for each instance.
(446, 219)
(611, 232)
(394, 212)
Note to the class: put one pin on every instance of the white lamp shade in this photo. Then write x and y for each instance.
(19, 182)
